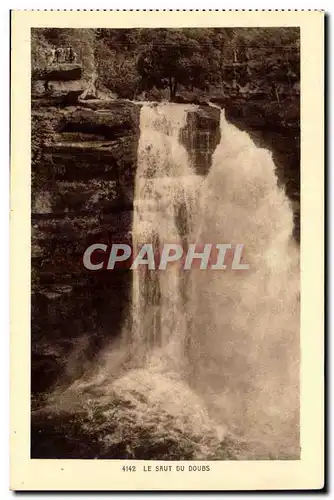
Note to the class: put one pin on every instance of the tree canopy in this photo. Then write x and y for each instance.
(176, 57)
(130, 61)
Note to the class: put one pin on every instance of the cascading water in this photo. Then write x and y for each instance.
(244, 339)
(215, 349)
(165, 201)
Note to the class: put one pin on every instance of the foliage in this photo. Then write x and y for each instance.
(176, 57)
(129, 61)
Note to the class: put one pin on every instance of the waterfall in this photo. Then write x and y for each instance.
(207, 352)
(233, 336)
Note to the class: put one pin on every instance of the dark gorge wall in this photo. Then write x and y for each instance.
(83, 168)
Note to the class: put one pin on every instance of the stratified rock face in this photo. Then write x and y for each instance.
(201, 136)
(64, 85)
(106, 123)
(83, 184)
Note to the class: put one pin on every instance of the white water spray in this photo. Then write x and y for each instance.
(244, 340)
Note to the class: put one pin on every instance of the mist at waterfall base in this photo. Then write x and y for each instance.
(207, 365)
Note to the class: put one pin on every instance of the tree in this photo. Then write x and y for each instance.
(117, 69)
(178, 57)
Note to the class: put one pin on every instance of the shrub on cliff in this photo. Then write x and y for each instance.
(40, 50)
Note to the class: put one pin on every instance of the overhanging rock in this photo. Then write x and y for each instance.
(59, 72)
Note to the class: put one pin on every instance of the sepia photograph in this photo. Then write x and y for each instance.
(166, 240)
(165, 143)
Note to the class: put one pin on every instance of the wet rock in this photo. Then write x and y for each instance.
(131, 418)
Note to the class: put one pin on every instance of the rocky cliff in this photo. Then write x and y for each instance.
(84, 155)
